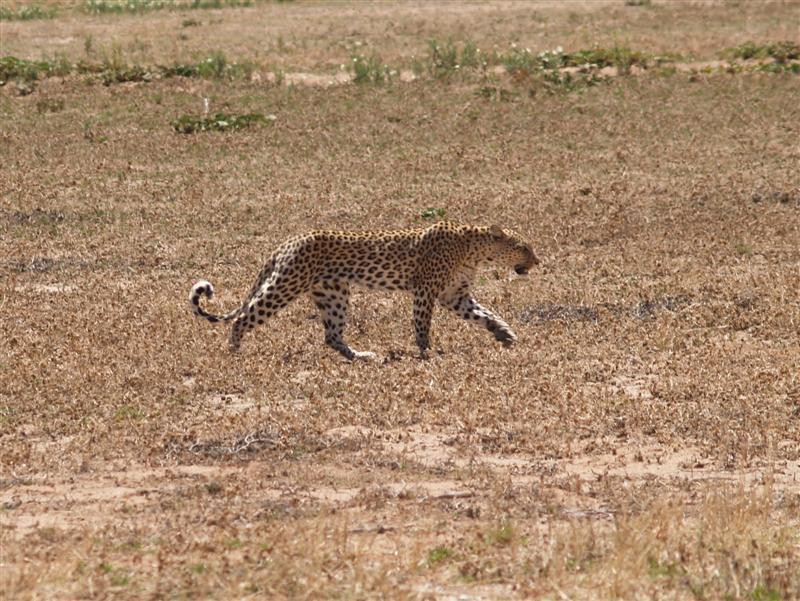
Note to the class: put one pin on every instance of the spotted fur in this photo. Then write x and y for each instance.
(436, 264)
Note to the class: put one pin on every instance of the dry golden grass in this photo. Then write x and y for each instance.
(641, 441)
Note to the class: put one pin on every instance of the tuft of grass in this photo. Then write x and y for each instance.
(433, 213)
(494, 93)
(445, 59)
(503, 534)
(369, 69)
(106, 568)
(213, 487)
(188, 124)
(762, 593)
(26, 13)
(127, 412)
(49, 105)
(522, 60)
(438, 555)
(199, 568)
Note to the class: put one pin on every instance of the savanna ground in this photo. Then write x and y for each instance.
(642, 440)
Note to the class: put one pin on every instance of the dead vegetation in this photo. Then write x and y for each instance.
(641, 441)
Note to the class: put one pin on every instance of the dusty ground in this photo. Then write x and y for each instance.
(641, 441)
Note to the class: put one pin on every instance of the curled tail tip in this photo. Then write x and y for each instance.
(203, 287)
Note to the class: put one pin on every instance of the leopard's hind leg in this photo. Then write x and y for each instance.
(274, 294)
(332, 298)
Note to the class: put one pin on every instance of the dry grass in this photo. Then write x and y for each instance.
(641, 441)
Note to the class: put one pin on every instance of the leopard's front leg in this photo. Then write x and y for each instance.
(471, 310)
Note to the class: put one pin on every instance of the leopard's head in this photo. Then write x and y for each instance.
(509, 248)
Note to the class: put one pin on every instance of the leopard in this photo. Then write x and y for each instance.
(436, 264)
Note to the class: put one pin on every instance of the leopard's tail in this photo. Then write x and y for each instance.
(204, 288)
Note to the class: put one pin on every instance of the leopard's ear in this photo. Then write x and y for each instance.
(497, 231)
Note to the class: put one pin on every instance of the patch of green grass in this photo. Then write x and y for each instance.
(126, 412)
(502, 535)
(621, 57)
(26, 13)
(570, 82)
(438, 555)
(120, 579)
(106, 568)
(523, 60)
(124, 73)
(188, 124)
(657, 570)
(780, 51)
(779, 67)
(762, 593)
(49, 105)
(369, 69)
(743, 248)
(432, 213)
(215, 66)
(114, 68)
(101, 7)
(494, 93)
(20, 69)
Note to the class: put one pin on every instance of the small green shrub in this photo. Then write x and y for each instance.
(26, 13)
(188, 124)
